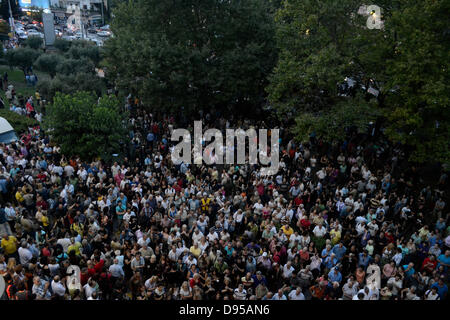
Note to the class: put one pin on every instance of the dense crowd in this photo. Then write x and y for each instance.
(351, 221)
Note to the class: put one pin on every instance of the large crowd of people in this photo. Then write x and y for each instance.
(349, 221)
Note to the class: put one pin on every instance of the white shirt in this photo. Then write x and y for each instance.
(293, 295)
(25, 255)
(319, 232)
(58, 288)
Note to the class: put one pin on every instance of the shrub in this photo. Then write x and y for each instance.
(19, 123)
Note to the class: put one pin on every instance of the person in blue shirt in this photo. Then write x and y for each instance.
(364, 259)
(334, 276)
(326, 252)
(330, 261)
(339, 250)
(150, 137)
(122, 198)
(444, 260)
(43, 164)
(441, 287)
(440, 224)
(148, 160)
(3, 185)
(258, 278)
(409, 269)
(14, 171)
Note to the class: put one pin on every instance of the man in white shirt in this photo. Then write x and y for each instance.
(116, 269)
(240, 293)
(296, 294)
(58, 287)
(25, 254)
(319, 230)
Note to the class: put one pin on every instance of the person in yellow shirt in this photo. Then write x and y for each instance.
(195, 250)
(9, 244)
(19, 196)
(44, 220)
(75, 246)
(77, 227)
(335, 235)
(288, 231)
(205, 203)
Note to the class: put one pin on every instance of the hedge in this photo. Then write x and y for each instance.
(19, 123)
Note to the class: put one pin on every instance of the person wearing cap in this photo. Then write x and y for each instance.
(334, 276)
(264, 262)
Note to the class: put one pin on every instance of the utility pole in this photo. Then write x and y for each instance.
(11, 19)
(82, 20)
(103, 16)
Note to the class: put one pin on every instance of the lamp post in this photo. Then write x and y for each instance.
(11, 19)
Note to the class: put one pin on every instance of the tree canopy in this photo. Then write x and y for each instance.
(192, 54)
(86, 126)
(22, 58)
(400, 71)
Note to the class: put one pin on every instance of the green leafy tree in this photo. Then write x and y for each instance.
(22, 58)
(73, 66)
(48, 62)
(418, 103)
(62, 45)
(34, 42)
(405, 63)
(80, 50)
(192, 54)
(69, 83)
(83, 126)
(15, 8)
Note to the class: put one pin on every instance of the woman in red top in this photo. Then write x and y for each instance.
(429, 264)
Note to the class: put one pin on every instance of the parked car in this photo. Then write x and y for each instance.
(21, 34)
(103, 33)
(34, 33)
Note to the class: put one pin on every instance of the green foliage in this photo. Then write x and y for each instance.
(21, 58)
(34, 42)
(4, 9)
(70, 83)
(90, 52)
(323, 42)
(18, 122)
(418, 109)
(192, 54)
(4, 27)
(73, 66)
(62, 45)
(82, 126)
(48, 62)
(331, 124)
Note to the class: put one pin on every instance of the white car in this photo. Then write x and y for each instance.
(69, 38)
(33, 33)
(103, 33)
(22, 35)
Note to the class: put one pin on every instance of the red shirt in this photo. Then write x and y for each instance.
(305, 223)
(45, 252)
(390, 237)
(42, 204)
(298, 201)
(99, 266)
(428, 261)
